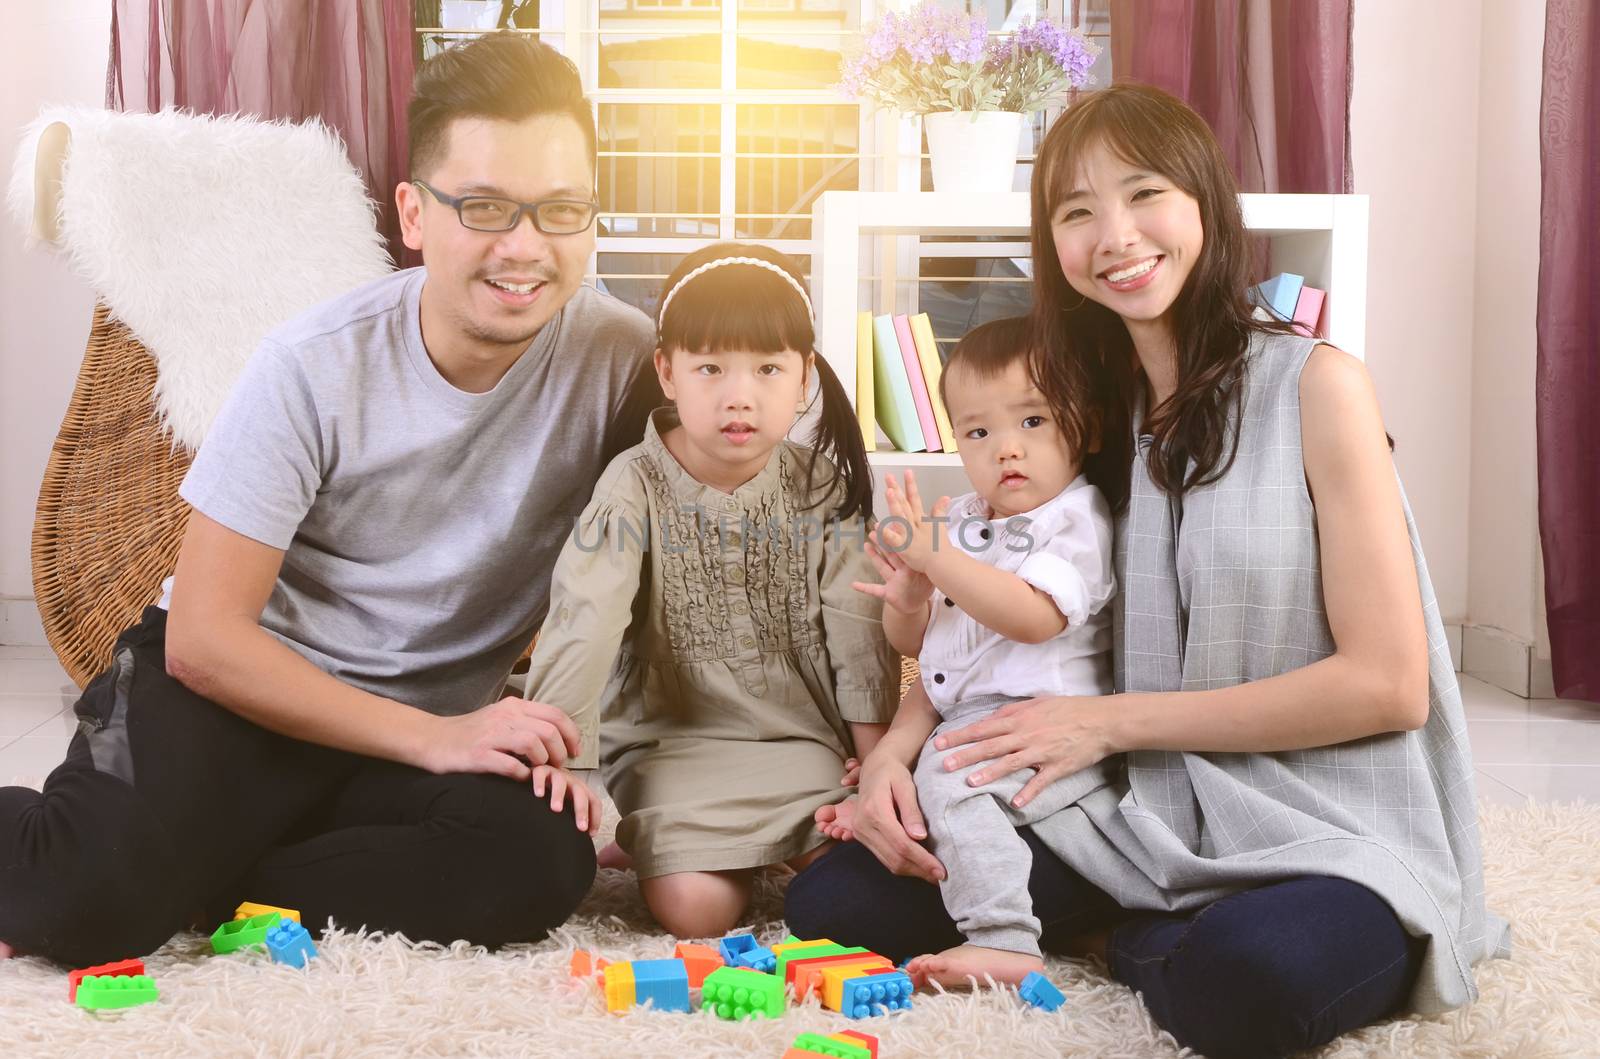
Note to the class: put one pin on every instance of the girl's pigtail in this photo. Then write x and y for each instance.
(838, 436)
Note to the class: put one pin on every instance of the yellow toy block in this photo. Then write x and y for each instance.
(781, 948)
(808, 978)
(250, 908)
(834, 978)
(619, 989)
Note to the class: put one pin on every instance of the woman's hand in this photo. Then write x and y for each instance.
(1057, 735)
(887, 819)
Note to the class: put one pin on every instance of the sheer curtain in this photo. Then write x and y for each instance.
(1272, 77)
(1567, 392)
(347, 62)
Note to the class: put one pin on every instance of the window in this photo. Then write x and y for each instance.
(718, 119)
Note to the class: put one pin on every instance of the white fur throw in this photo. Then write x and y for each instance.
(202, 234)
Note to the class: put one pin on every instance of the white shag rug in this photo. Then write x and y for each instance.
(382, 996)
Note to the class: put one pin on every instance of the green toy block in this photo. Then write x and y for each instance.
(739, 993)
(832, 1046)
(100, 992)
(239, 933)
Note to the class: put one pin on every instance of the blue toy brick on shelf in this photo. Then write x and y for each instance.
(876, 994)
(290, 943)
(1039, 991)
(731, 946)
(759, 958)
(665, 983)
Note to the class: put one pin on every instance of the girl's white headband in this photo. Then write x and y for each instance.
(719, 262)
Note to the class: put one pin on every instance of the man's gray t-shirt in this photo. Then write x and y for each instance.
(419, 522)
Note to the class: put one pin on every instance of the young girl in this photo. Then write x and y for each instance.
(1293, 843)
(701, 615)
(1008, 602)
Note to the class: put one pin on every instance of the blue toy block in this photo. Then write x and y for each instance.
(759, 958)
(731, 946)
(876, 994)
(1038, 990)
(290, 943)
(665, 983)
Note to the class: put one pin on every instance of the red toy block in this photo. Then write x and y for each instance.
(107, 970)
(866, 1039)
(699, 960)
(801, 1053)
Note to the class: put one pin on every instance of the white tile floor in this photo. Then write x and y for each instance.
(1525, 749)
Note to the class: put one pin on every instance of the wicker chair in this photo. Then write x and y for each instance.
(109, 520)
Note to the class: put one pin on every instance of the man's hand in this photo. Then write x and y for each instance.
(586, 807)
(506, 738)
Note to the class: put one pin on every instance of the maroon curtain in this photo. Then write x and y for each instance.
(349, 63)
(1567, 392)
(1271, 76)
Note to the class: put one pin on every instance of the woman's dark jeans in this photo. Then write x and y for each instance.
(1264, 972)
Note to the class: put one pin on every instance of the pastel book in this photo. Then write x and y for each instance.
(895, 407)
(932, 369)
(1308, 311)
(1280, 295)
(866, 392)
(919, 384)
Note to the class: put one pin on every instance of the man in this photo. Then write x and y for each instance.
(315, 720)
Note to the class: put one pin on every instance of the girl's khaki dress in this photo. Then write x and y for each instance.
(716, 643)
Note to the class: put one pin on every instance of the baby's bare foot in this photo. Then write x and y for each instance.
(837, 821)
(966, 965)
(613, 856)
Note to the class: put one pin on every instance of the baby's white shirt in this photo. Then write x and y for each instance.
(1063, 548)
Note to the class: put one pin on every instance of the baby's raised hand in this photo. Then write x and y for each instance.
(911, 532)
(903, 588)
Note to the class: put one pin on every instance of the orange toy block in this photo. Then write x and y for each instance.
(698, 960)
(865, 1039)
(810, 977)
(791, 971)
(582, 965)
(801, 1053)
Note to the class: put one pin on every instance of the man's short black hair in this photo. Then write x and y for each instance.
(505, 76)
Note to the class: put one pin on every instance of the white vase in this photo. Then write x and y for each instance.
(973, 150)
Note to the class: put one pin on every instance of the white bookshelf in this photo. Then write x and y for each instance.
(1321, 237)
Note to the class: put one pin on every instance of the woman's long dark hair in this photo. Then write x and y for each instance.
(746, 308)
(1085, 355)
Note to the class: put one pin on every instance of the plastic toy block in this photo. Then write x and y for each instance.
(664, 983)
(104, 970)
(831, 1046)
(731, 946)
(698, 960)
(618, 986)
(250, 908)
(239, 933)
(740, 993)
(789, 964)
(806, 950)
(582, 964)
(808, 978)
(759, 958)
(861, 1038)
(873, 994)
(800, 1053)
(290, 943)
(1039, 991)
(99, 992)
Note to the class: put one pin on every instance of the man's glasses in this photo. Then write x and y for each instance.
(485, 213)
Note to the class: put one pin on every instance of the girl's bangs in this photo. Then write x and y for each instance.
(739, 310)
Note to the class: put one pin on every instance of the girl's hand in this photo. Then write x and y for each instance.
(888, 821)
(911, 533)
(903, 588)
(1057, 735)
(586, 806)
(837, 821)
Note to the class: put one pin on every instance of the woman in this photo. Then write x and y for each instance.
(1292, 851)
